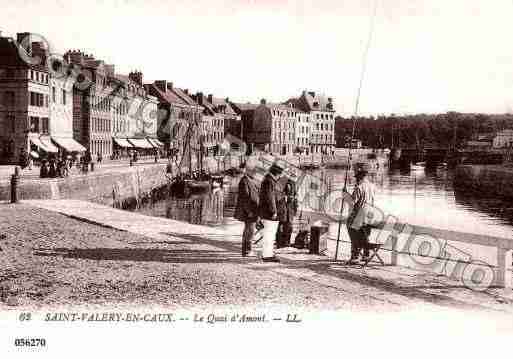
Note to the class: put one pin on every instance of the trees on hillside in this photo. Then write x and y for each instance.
(417, 131)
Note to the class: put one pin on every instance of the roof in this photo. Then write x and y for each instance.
(185, 97)
(9, 55)
(308, 100)
(167, 96)
(222, 102)
(245, 106)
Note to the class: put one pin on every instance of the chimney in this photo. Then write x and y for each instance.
(25, 39)
(210, 98)
(312, 93)
(137, 77)
(161, 85)
(186, 91)
(169, 86)
(199, 98)
(74, 57)
(262, 101)
(227, 100)
(39, 50)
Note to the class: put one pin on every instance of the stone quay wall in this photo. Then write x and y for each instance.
(101, 188)
(490, 179)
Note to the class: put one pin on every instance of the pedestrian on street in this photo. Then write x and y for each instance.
(359, 221)
(287, 209)
(268, 210)
(24, 158)
(247, 206)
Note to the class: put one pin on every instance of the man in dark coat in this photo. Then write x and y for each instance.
(247, 206)
(287, 209)
(269, 193)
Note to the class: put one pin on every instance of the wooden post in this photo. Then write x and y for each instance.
(504, 275)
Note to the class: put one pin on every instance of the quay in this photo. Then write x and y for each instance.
(77, 253)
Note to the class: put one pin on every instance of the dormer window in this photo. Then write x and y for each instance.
(316, 104)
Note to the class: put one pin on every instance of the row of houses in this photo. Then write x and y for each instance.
(493, 140)
(76, 102)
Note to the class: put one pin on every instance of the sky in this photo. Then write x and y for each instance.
(424, 56)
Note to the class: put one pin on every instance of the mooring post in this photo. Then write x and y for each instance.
(504, 275)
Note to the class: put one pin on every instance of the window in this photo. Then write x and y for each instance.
(44, 125)
(53, 94)
(63, 97)
(37, 99)
(34, 124)
(32, 74)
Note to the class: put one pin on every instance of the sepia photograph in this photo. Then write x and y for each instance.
(256, 178)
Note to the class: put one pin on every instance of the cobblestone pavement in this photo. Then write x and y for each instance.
(49, 259)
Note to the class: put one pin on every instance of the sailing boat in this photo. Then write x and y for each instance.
(192, 181)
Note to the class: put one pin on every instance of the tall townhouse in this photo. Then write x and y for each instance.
(269, 127)
(178, 112)
(35, 103)
(303, 127)
(92, 102)
(283, 131)
(134, 115)
(219, 119)
(322, 119)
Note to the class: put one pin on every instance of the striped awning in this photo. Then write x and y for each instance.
(69, 144)
(140, 143)
(122, 142)
(44, 145)
(155, 143)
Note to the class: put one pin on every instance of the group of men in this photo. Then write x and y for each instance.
(274, 206)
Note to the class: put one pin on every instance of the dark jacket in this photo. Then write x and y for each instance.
(247, 200)
(287, 203)
(268, 197)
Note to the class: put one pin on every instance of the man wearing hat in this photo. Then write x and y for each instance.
(269, 194)
(358, 224)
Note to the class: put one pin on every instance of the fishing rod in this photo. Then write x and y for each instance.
(357, 104)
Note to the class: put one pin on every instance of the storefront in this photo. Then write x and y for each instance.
(42, 148)
(122, 148)
(68, 146)
(143, 146)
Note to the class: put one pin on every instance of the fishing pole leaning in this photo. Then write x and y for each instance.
(357, 104)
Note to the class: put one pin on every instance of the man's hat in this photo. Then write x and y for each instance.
(278, 166)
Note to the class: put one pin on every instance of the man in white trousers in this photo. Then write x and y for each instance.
(269, 191)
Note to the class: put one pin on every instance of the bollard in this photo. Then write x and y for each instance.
(156, 159)
(131, 162)
(318, 241)
(14, 184)
(92, 166)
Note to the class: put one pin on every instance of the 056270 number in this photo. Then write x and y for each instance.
(30, 342)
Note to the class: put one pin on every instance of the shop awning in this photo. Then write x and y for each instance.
(46, 146)
(69, 144)
(49, 145)
(122, 142)
(140, 143)
(155, 143)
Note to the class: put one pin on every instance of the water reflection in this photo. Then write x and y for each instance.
(419, 196)
(206, 208)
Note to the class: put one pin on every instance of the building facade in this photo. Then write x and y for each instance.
(322, 118)
(35, 103)
(503, 139)
(177, 113)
